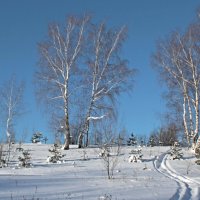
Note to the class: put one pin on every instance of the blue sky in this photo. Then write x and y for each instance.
(24, 23)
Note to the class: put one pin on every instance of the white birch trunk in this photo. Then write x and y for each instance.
(185, 121)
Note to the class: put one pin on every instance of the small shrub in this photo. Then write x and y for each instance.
(152, 141)
(25, 159)
(2, 157)
(176, 151)
(110, 156)
(6, 152)
(106, 197)
(37, 137)
(135, 155)
(85, 156)
(56, 154)
(197, 162)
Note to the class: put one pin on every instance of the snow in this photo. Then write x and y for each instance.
(158, 176)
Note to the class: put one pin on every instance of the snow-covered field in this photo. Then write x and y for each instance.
(156, 177)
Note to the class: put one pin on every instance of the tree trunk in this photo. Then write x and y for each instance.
(80, 140)
(67, 134)
(67, 141)
(87, 139)
(196, 134)
(85, 130)
(190, 116)
(185, 121)
(87, 133)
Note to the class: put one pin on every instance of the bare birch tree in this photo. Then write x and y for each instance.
(11, 104)
(56, 76)
(11, 107)
(178, 62)
(107, 74)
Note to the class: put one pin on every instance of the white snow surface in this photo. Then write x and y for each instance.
(156, 177)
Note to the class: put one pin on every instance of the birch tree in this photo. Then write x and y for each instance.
(11, 105)
(56, 76)
(108, 74)
(192, 59)
(178, 60)
(11, 108)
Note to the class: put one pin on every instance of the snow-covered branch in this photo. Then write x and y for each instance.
(95, 117)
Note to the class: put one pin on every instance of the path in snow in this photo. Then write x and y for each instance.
(187, 187)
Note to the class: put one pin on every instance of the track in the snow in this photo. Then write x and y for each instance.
(187, 188)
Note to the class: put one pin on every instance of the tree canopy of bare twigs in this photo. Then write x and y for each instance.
(177, 60)
(11, 105)
(165, 136)
(108, 74)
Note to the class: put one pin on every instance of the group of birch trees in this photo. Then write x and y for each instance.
(177, 59)
(81, 73)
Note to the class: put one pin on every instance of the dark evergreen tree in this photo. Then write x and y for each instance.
(132, 141)
(37, 137)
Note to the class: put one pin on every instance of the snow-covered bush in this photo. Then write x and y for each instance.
(152, 141)
(135, 155)
(106, 197)
(197, 162)
(25, 159)
(6, 154)
(105, 151)
(176, 151)
(37, 137)
(56, 154)
(2, 157)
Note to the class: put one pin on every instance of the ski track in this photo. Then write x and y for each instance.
(187, 187)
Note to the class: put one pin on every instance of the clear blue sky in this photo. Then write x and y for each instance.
(23, 23)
